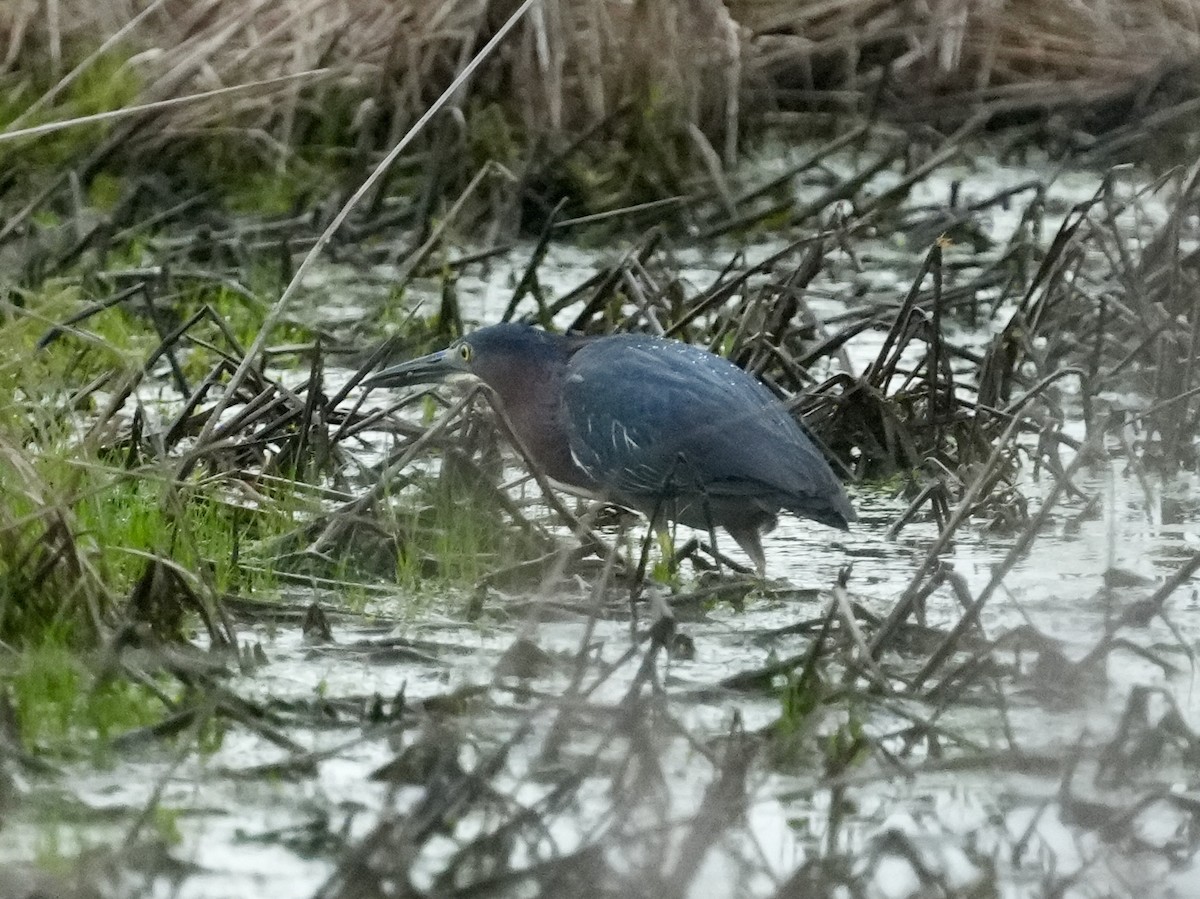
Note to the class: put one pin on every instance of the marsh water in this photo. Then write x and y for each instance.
(922, 825)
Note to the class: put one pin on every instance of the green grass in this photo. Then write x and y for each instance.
(63, 709)
(85, 516)
(453, 535)
(108, 84)
(78, 528)
(64, 515)
(77, 525)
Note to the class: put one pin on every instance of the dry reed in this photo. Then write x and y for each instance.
(710, 69)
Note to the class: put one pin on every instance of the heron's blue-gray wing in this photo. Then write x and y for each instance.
(646, 416)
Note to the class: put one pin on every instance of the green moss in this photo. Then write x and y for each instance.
(104, 191)
(492, 136)
(267, 192)
(108, 84)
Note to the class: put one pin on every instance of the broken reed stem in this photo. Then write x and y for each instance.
(904, 606)
(155, 106)
(339, 518)
(1152, 605)
(881, 370)
(277, 309)
(971, 616)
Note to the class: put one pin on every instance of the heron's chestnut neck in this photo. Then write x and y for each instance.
(530, 392)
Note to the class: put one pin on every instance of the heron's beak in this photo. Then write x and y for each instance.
(423, 370)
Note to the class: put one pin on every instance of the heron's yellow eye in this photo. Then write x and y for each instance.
(464, 352)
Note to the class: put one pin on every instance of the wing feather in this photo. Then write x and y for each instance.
(642, 412)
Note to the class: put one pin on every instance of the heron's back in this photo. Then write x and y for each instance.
(649, 418)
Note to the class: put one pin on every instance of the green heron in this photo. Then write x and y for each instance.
(661, 427)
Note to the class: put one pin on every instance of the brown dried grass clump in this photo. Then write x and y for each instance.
(377, 65)
(363, 70)
(1003, 55)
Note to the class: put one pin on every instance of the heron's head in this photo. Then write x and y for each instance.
(510, 358)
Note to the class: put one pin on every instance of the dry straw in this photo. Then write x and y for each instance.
(572, 65)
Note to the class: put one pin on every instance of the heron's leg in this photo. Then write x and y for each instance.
(749, 539)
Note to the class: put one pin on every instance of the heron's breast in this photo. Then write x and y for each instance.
(538, 421)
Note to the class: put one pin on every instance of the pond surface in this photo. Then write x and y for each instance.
(1022, 801)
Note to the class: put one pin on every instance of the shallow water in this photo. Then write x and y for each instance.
(255, 834)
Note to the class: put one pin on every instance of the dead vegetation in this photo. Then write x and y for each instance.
(604, 103)
(174, 447)
(1090, 309)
